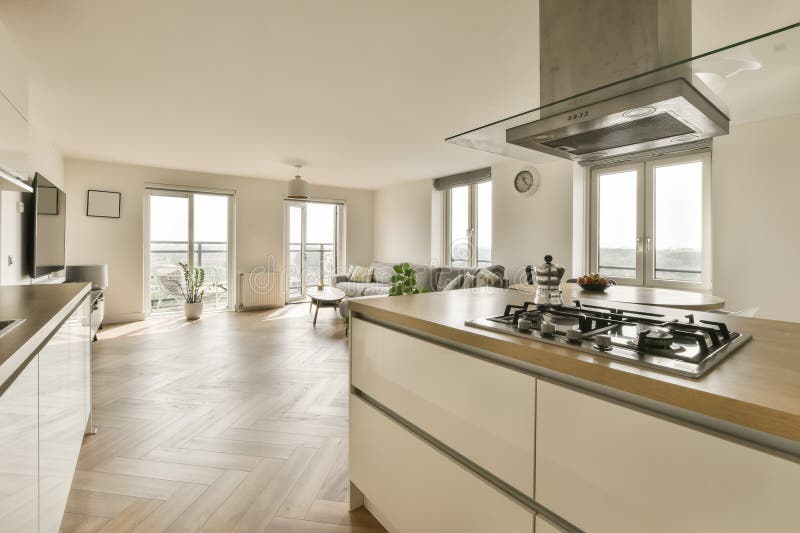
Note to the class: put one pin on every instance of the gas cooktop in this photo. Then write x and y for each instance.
(683, 347)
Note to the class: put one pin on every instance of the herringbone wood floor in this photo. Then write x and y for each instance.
(236, 422)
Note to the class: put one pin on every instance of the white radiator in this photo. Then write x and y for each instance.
(261, 289)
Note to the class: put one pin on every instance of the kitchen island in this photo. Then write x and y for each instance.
(455, 428)
(45, 401)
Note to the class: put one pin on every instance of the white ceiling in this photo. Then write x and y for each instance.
(362, 91)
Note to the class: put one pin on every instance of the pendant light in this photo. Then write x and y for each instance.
(298, 188)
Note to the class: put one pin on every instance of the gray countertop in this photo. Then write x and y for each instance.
(44, 308)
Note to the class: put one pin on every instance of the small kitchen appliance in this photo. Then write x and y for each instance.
(548, 277)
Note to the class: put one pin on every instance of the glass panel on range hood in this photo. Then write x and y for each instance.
(751, 80)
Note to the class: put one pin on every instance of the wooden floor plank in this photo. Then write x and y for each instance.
(79, 523)
(198, 513)
(238, 447)
(131, 516)
(160, 470)
(231, 511)
(137, 487)
(225, 461)
(264, 508)
(84, 502)
(172, 508)
(304, 492)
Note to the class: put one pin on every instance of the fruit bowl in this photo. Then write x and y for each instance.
(596, 287)
(594, 282)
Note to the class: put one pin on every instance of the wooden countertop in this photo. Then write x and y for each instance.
(44, 307)
(757, 387)
(696, 301)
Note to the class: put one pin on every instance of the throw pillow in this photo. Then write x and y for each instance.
(470, 281)
(362, 274)
(454, 284)
(445, 277)
(383, 272)
(486, 278)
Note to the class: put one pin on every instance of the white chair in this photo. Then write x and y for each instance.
(213, 286)
(170, 283)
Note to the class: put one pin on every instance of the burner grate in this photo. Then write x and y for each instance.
(686, 347)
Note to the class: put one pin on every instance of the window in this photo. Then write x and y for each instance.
(468, 231)
(651, 222)
(313, 236)
(194, 228)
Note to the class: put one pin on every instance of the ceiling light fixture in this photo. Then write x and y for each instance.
(298, 188)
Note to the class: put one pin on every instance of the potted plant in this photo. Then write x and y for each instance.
(404, 281)
(193, 291)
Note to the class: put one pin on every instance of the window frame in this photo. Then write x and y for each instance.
(645, 240)
(472, 230)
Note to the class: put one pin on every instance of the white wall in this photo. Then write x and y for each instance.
(718, 23)
(119, 242)
(42, 157)
(524, 230)
(403, 223)
(755, 191)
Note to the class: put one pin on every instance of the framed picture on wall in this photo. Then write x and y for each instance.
(103, 204)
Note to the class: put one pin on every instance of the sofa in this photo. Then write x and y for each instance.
(432, 278)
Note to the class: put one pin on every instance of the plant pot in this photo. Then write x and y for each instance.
(193, 311)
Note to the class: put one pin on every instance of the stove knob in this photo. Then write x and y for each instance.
(547, 329)
(524, 324)
(602, 342)
(574, 335)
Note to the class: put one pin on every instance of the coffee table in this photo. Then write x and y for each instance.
(325, 297)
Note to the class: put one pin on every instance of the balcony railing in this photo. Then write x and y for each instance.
(210, 255)
(320, 261)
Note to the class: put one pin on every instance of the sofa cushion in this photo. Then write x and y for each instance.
(454, 284)
(487, 278)
(376, 289)
(351, 288)
(443, 275)
(423, 275)
(382, 272)
(362, 274)
(470, 281)
(499, 271)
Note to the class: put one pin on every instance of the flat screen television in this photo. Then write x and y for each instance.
(49, 227)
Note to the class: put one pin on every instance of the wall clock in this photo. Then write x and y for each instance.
(527, 182)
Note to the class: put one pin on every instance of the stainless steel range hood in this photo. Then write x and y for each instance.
(665, 115)
(615, 86)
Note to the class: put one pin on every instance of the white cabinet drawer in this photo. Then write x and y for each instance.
(482, 410)
(605, 467)
(413, 487)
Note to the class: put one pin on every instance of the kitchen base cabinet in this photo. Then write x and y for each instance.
(413, 487)
(482, 410)
(62, 413)
(43, 414)
(605, 467)
(19, 460)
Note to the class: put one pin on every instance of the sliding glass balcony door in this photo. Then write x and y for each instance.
(313, 245)
(194, 228)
